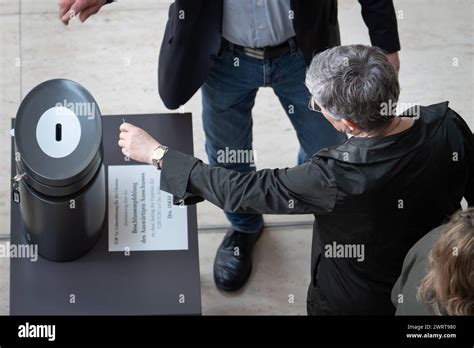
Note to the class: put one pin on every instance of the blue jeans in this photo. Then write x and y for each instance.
(228, 97)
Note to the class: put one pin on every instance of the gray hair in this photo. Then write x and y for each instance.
(354, 82)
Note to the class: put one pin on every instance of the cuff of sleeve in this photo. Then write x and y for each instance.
(389, 46)
(175, 173)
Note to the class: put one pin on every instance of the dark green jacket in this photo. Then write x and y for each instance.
(413, 271)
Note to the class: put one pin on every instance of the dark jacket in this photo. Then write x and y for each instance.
(413, 271)
(192, 41)
(383, 192)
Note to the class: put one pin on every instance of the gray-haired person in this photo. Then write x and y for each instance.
(373, 197)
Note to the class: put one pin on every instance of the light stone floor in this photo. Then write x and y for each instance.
(114, 55)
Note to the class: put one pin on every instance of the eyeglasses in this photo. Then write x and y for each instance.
(313, 106)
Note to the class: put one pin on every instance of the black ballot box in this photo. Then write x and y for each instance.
(146, 259)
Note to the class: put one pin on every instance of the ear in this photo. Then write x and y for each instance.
(349, 124)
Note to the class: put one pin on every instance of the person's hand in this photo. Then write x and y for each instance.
(137, 143)
(394, 59)
(85, 8)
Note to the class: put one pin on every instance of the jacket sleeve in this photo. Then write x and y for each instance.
(380, 18)
(304, 189)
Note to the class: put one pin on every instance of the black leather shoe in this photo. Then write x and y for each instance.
(233, 262)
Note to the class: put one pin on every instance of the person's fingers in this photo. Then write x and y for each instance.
(68, 16)
(76, 8)
(123, 135)
(64, 6)
(124, 151)
(121, 143)
(86, 13)
(125, 127)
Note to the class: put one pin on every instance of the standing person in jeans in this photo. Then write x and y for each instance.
(231, 48)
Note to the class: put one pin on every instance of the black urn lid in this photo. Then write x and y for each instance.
(58, 137)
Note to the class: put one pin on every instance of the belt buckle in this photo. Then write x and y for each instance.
(254, 53)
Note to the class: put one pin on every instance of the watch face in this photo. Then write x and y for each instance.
(158, 154)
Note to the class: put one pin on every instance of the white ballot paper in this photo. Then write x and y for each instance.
(141, 216)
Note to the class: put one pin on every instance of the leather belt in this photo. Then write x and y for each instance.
(261, 53)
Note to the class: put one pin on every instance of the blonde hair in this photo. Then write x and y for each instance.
(449, 282)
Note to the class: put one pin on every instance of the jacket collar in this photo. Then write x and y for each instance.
(381, 149)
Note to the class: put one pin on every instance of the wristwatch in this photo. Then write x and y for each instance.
(158, 155)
